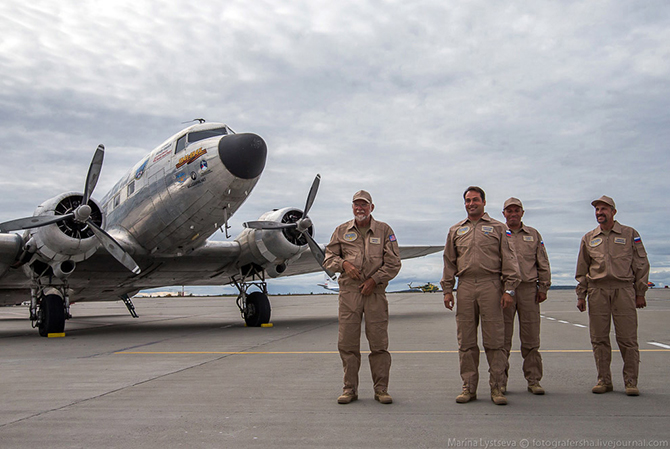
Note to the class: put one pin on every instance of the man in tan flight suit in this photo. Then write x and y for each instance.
(479, 252)
(613, 271)
(365, 252)
(535, 281)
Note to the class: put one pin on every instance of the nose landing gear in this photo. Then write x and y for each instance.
(254, 307)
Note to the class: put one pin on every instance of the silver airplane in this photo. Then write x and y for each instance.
(152, 230)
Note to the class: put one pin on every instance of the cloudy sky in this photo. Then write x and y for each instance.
(556, 103)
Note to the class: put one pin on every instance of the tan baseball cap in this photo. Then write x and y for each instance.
(604, 199)
(512, 202)
(362, 195)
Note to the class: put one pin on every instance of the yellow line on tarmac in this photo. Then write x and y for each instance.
(226, 352)
(563, 351)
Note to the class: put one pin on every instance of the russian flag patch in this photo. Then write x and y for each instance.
(637, 239)
(508, 232)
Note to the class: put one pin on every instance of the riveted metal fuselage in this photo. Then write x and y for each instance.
(181, 193)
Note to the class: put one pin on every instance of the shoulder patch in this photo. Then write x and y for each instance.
(350, 236)
(392, 238)
(463, 230)
(595, 242)
(637, 239)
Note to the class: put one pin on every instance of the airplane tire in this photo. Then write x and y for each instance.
(257, 309)
(52, 313)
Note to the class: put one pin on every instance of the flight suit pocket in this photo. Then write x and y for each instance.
(622, 259)
(489, 255)
(527, 250)
(376, 248)
(353, 255)
(639, 250)
(463, 252)
(489, 240)
(374, 256)
(597, 253)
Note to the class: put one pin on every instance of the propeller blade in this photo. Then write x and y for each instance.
(312, 195)
(93, 173)
(32, 222)
(318, 253)
(113, 247)
(301, 226)
(272, 225)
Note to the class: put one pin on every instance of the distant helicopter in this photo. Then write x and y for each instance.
(425, 288)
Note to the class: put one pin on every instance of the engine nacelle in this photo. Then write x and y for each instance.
(273, 250)
(66, 240)
(10, 248)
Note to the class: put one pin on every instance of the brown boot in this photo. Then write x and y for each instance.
(466, 396)
(347, 397)
(383, 397)
(498, 397)
(632, 390)
(602, 387)
(535, 388)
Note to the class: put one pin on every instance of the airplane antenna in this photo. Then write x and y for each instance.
(200, 120)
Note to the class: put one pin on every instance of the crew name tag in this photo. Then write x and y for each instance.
(487, 229)
(375, 240)
(620, 240)
(528, 238)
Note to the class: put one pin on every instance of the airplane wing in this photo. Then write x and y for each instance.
(214, 264)
(100, 278)
(307, 264)
(410, 252)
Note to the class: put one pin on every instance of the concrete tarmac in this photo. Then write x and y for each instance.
(187, 373)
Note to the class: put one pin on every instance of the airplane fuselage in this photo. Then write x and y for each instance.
(185, 189)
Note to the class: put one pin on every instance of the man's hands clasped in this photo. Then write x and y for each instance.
(367, 287)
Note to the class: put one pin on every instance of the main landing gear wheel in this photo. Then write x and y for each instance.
(52, 315)
(257, 309)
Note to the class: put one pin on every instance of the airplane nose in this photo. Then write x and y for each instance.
(243, 154)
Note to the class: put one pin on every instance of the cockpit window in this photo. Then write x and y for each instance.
(181, 144)
(200, 135)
